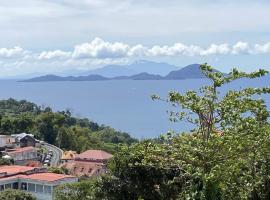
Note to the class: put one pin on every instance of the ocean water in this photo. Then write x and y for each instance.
(125, 104)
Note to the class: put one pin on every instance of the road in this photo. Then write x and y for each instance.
(57, 154)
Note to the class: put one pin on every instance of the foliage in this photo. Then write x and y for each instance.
(4, 161)
(226, 156)
(58, 170)
(58, 128)
(10, 194)
(82, 190)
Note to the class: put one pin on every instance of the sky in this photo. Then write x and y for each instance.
(49, 36)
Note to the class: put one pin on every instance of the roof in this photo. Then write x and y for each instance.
(69, 155)
(15, 169)
(20, 150)
(49, 177)
(22, 135)
(95, 155)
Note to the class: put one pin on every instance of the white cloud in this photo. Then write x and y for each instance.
(101, 49)
(262, 49)
(12, 52)
(241, 48)
(57, 54)
(99, 52)
(98, 48)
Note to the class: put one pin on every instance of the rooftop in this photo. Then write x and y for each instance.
(15, 169)
(94, 155)
(20, 150)
(49, 177)
(21, 135)
(33, 173)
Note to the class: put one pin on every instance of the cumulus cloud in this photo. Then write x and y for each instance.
(101, 49)
(12, 52)
(99, 52)
(57, 54)
(241, 48)
(98, 48)
(262, 49)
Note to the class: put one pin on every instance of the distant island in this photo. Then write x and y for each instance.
(189, 72)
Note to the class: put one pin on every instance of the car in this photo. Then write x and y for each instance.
(48, 156)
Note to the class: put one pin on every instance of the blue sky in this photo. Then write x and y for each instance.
(49, 36)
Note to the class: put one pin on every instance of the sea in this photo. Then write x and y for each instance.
(125, 105)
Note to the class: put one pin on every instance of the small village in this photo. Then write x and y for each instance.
(30, 160)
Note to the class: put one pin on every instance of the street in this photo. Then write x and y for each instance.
(57, 154)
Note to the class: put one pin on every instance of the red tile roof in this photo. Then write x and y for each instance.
(49, 177)
(94, 155)
(15, 169)
(20, 150)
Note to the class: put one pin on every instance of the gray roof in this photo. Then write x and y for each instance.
(21, 136)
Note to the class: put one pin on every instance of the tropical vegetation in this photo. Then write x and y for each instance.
(225, 157)
(58, 128)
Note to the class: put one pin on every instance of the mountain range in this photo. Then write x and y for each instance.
(189, 72)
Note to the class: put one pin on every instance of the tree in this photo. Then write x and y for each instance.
(226, 156)
(82, 190)
(10, 194)
(230, 139)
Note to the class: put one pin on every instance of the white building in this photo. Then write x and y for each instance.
(22, 155)
(36, 181)
(6, 141)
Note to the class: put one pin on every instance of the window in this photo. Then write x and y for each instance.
(8, 186)
(39, 188)
(47, 189)
(15, 185)
(24, 186)
(1, 187)
(31, 187)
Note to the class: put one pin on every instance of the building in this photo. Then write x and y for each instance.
(25, 140)
(89, 163)
(36, 181)
(97, 156)
(22, 155)
(68, 156)
(6, 141)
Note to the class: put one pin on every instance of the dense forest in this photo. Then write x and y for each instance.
(227, 156)
(58, 128)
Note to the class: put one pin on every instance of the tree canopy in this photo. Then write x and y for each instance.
(10, 194)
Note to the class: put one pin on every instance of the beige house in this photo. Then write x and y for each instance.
(89, 163)
(68, 156)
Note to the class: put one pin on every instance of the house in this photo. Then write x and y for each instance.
(36, 181)
(89, 163)
(68, 156)
(6, 141)
(25, 140)
(97, 156)
(22, 155)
